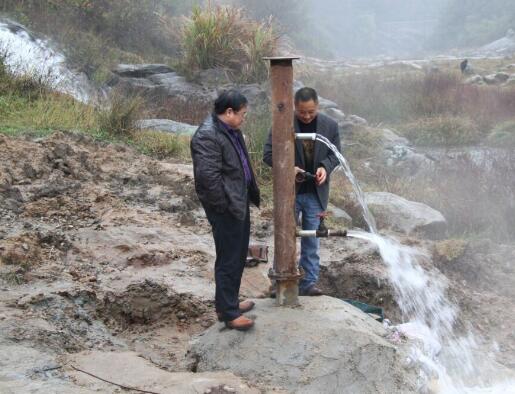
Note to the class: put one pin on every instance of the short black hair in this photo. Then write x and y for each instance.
(306, 94)
(229, 99)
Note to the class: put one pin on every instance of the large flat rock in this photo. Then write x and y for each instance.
(130, 370)
(323, 346)
(408, 217)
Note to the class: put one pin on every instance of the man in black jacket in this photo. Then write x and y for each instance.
(312, 195)
(225, 184)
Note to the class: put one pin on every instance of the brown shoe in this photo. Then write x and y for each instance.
(244, 306)
(312, 291)
(241, 323)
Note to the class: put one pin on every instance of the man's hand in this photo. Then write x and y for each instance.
(320, 176)
(298, 170)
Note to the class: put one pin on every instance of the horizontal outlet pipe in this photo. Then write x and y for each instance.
(321, 234)
(306, 136)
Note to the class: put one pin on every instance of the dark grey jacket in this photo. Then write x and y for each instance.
(323, 156)
(219, 176)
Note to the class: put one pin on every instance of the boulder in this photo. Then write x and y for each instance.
(164, 88)
(391, 139)
(323, 346)
(141, 70)
(398, 214)
(475, 79)
(214, 77)
(335, 113)
(490, 79)
(496, 78)
(326, 104)
(339, 215)
(405, 161)
(167, 125)
(502, 76)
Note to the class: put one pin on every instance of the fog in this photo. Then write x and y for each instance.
(366, 28)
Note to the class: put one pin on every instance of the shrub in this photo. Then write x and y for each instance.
(256, 130)
(503, 135)
(260, 45)
(120, 117)
(442, 131)
(223, 37)
(26, 85)
(162, 145)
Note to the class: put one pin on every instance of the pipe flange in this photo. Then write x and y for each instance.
(285, 276)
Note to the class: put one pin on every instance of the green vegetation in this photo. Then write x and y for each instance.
(120, 116)
(223, 37)
(442, 131)
(450, 250)
(503, 135)
(28, 107)
(430, 108)
(97, 35)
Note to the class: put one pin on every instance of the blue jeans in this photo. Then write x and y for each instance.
(309, 205)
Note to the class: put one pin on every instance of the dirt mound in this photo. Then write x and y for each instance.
(101, 248)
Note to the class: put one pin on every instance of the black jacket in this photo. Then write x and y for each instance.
(323, 156)
(219, 176)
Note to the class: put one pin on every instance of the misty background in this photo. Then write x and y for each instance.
(358, 28)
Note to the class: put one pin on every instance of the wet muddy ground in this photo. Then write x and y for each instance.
(106, 253)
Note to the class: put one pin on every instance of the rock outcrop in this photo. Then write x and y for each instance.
(323, 346)
(398, 214)
(170, 126)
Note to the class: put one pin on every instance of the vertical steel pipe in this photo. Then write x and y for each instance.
(285, 270)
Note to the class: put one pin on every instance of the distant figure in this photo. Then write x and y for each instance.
(226, 185)
(466, 68)
(463, 66)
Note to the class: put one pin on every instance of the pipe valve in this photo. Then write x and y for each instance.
(322, 231)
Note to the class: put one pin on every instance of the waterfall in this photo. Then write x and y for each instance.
(25, 54)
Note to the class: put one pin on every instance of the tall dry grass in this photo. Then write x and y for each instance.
(224, 37)
(475, 192)
(402, 96)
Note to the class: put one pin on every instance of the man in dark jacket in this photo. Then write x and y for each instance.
(225, 184)
(312, 195)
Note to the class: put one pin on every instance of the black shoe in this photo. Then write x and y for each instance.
(311, 291)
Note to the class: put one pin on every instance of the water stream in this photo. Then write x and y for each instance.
(449, 363)
(25, 54)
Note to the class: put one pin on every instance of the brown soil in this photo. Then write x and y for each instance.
(103, 249)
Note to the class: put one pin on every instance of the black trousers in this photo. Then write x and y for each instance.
(231, 242)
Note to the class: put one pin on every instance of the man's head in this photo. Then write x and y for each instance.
(306, 104)
(231, 108)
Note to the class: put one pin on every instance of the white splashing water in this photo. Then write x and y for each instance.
(25, 54)
(449, 364)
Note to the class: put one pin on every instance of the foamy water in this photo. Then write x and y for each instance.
(25, 54)
(448, 363)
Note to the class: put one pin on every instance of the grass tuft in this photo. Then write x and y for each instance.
(224, 37)
(442, 131)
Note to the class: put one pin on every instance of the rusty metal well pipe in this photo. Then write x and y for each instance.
(285, 270)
